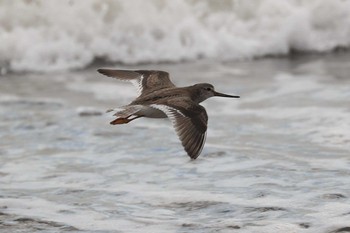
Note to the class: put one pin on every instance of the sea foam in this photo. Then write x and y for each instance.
(59, 35)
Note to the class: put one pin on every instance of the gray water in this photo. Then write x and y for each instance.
(276, 160)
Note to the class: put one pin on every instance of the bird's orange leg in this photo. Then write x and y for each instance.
(122, 120)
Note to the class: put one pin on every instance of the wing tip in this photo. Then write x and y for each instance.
(193, 157)
(103, 71)
(196, 153)
(198, 149)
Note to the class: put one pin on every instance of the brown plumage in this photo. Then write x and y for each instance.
(160, 98)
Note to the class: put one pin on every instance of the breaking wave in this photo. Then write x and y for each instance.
(61, 35)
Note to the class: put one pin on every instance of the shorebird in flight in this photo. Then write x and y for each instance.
(160, 98)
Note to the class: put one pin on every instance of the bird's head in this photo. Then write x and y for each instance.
(206, 90)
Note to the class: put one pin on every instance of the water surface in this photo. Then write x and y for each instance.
(276, 160)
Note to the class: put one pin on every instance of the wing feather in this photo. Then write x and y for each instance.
(190, 123)
(146, 81)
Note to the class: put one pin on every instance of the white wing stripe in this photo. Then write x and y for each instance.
(138, 84)
(170, 112)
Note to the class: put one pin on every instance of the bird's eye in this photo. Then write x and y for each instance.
(208, 89)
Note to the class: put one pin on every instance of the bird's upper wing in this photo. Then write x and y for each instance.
(190, 122)
(146, 81)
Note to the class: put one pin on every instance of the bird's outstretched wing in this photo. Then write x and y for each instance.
(190, 122)
(146, 81)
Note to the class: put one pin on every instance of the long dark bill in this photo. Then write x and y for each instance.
(224, 95)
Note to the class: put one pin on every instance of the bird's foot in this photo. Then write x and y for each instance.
(119, 121)
(123, 120)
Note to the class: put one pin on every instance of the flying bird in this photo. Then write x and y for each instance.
(160, 98)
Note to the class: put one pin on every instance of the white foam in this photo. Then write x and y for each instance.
(50, 35)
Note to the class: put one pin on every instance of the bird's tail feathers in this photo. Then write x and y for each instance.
(125, 111)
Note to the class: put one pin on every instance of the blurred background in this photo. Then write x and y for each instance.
(275, 160)
(49, 36)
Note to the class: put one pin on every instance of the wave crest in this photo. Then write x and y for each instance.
(51, 35)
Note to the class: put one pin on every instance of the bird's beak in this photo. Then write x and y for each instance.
(224, 95)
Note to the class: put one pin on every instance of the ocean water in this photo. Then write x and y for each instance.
(276, 160)
(40, 35)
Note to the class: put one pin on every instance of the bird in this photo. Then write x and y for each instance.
(160, 98)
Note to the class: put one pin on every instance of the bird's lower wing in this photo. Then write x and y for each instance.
(190, 125)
